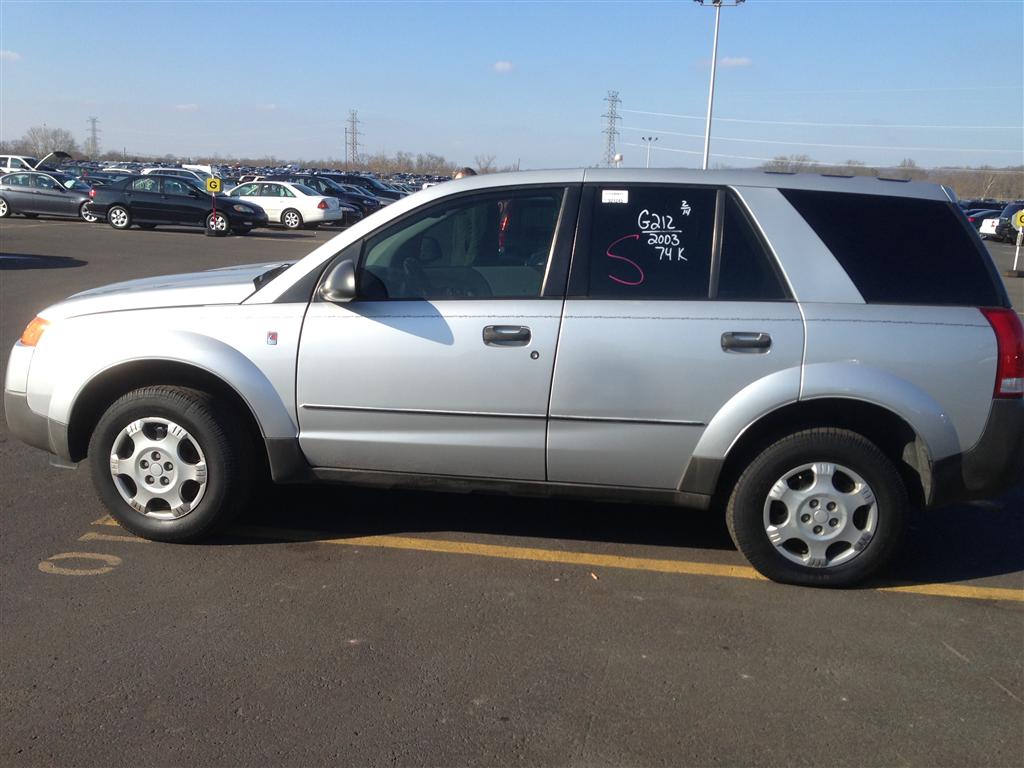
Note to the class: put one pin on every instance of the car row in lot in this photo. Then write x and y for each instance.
(156, 199)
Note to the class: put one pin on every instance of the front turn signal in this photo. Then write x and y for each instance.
(34, 331)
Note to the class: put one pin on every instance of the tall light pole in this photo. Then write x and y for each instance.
(717, 4)
(648, 140)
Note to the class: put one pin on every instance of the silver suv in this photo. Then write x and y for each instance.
(782, 347)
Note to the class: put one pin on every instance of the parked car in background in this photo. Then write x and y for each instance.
(181, 173)
(357, 197)
(153, 200)
(374, 186)
(1000, 227)
(292, 205)
(977, 217)
(10, 163)
(35, 193)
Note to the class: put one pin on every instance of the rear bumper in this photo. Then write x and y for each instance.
(992, 466)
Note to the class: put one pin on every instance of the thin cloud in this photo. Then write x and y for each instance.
(186, 107)
(735, 61)
(268, 107)
(10, 56)
(503, 66)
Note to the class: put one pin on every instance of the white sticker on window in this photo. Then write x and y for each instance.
(614, 195)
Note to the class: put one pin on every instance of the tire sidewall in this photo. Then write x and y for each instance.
(745, 514)
(212, 440)
(82, 213)
(6, 208)
(210, 230)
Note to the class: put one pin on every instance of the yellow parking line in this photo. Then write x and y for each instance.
(680, 567)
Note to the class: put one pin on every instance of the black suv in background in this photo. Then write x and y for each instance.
(375, 187)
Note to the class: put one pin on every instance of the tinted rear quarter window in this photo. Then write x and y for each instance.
(746, 272)
(901, 250)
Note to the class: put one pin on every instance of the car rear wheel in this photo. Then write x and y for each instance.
(291, 218)
(168, 462)
(822, 507)
(118, 217)
(86, 215)
(5, 209)
(217, 224)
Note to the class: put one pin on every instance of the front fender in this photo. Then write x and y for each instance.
(81, 363)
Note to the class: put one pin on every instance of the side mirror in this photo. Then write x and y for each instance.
(339, 287)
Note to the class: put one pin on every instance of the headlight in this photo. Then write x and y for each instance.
(34, 331)
(243, 209)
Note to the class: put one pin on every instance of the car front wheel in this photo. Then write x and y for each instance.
(822, 507)
(168, 463)
(5, 209)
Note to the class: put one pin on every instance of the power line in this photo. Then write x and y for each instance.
(829, 146)
(829, 125)
(611, 130)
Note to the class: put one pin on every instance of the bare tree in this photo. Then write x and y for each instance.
(484, 163)
(42, 141)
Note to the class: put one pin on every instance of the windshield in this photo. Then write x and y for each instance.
(70, 182)
(305, 190)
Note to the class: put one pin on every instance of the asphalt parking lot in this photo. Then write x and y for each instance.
(360, 627)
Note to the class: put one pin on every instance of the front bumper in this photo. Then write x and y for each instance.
(992, 466)
(24, 423)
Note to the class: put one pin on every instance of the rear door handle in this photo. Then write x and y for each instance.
(746, 341)
(506, 335)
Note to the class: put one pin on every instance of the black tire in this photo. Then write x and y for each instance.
(84, 215)
(5, 208)
(291, 219)
(219, 434)
(746, 510)
(118, 217)
(217, 224)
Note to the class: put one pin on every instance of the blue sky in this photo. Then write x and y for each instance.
(524, 81)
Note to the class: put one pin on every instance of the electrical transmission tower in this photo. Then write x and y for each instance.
(352, 136)
(92, 144)
(611, 130)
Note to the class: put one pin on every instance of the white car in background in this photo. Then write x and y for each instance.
(988, 227)
(293, 205)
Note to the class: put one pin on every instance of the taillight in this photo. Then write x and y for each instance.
(92, 193)
(1010, 351)
(323, 205)
(970, 219)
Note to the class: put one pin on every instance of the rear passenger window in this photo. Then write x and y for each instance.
(747, 271)
(651, 242)
(900, 250)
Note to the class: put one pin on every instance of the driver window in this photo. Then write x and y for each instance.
(175, 187)
(484, 246)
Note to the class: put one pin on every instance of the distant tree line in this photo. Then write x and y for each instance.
(968, 183)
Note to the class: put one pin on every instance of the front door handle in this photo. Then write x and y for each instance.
(506, 335)
(746, 341)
